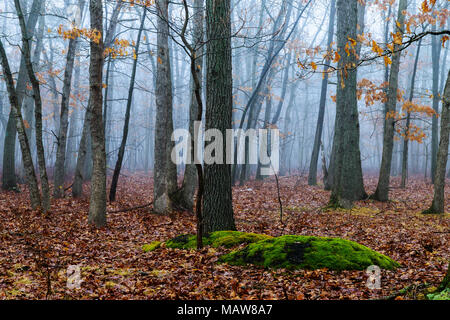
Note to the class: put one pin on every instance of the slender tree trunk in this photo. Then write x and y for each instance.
(164, 170)
(118, 167)
(9, 175)
(38, 109)
(382, 191)
(35, 196)
(217, 202)
(435, 57)
(58, 191)
(77, 188)
(408, 121)
(97, 205)
(189, 186)
(73, 129)
(312, 177)
(438, 205)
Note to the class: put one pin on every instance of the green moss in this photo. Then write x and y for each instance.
(216, 239)
(152, 246)
(303, 252)
(229, 239)
(443, 295)
(185, 241)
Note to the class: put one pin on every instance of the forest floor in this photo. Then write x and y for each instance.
(35, 250)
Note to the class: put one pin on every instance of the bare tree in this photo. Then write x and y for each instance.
(118, 167)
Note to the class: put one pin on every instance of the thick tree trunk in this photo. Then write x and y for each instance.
(217, 202)
(329, 178)
(165, 170)
(348, 182)
(97, 205)
(438, 205)
(118, 167)
(382, 191)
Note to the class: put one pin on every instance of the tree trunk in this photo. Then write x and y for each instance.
(348, 182)
(77, 188)
(58, 191)
(164, 170)
(408, 121)
(189, 186)
(38, 109)
(217, 202)
(35, 196)
(382, 191)
(118, 167)
(97, 205)
(438, 205)
(73, 129)
(312, 177)
(9, 175)
(435, 57)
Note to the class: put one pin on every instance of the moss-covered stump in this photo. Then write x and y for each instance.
(227, 239)
(152, 246)
(304, 252)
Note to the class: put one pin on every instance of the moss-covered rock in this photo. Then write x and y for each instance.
(227, 239)
(304, 252)
(152, 246)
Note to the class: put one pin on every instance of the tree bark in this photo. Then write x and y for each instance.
(38, 109)
(9, 175)
(164, 169)
(217, 202)
(435, 58)
(438, 205)
(35, 195)
(347, 182)
(97, 205)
